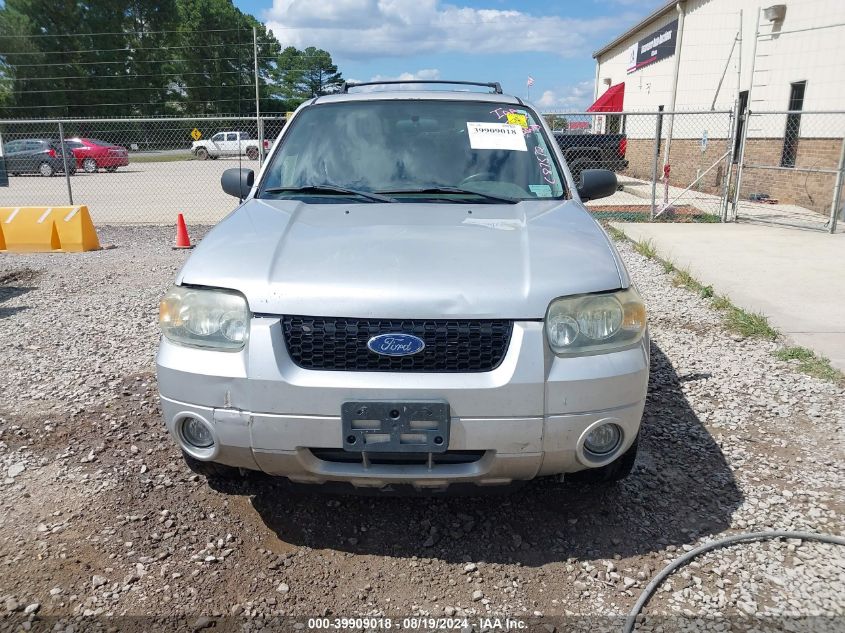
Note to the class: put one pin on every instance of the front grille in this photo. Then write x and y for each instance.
(339, 344)
(341, 456)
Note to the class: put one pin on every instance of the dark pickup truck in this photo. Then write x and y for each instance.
(592, 151)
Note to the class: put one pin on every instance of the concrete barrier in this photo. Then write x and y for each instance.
(47, 229)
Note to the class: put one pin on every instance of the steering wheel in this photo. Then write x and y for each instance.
(482, 175)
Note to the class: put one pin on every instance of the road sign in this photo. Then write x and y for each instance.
(196, 134)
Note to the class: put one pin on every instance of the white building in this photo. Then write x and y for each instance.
(801, 48)
(703, 55)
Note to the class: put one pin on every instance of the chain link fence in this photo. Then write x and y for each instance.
(132, 171)
(792, 170)
(672, 167)
(635, 145)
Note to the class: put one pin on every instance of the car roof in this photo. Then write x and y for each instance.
(37, 140)
(411, 95)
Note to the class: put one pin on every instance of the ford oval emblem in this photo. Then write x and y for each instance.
(396, 344)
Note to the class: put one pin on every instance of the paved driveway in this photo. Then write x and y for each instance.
(794, 277)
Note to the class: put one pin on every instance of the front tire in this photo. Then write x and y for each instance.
(202, 154)
(89, 166)
(46, 170)
(616, 470)
(252, 153)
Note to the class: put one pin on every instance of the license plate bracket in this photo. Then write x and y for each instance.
(395, 427)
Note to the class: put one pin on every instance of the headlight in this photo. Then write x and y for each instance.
(595, 323)
(204, 318)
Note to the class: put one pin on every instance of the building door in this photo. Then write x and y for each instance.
(793, 124)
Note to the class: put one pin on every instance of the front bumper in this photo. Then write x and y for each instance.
(526, 418)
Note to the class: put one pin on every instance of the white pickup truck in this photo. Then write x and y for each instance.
(227, 144)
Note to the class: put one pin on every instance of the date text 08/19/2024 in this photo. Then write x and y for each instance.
(417, 624)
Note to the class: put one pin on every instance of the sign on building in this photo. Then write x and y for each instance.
(654, 47)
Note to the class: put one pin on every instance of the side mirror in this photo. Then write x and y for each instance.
(596, 183)
(237, 182)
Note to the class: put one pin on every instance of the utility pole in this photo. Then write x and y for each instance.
(680, 8)
(258, 124)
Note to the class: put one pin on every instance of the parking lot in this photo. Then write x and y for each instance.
(154, 188)
(142, 193)
(101, 516)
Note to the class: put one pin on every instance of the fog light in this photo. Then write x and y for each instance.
(197, 433)
(603, 439)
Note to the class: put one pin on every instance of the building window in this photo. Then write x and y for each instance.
(793, 124)
(743, 106)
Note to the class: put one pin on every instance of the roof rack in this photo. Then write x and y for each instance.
(495, 85)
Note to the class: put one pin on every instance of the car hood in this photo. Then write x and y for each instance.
(406, 260)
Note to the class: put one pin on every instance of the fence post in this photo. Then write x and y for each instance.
(741, 161)
(734, 128)
(4, 173)
(837, 189)
(64, 162)
(257, 98)
(657, 135)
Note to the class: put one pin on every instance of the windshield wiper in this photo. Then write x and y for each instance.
(318, 189)
(445, 189)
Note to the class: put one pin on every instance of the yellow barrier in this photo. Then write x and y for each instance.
(47, 229)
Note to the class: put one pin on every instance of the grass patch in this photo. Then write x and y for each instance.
(668, 267)
(646, 248)
(616, 235)
(161, 158)
(721, 303)
(810, 364)
(684, 278)
(749, 324)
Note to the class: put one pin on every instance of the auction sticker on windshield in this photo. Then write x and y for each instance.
(496, 136)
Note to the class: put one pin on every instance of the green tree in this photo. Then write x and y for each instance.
(39, 57)
(218, 63)
(556, 121)
(303, 74)
(135, 57)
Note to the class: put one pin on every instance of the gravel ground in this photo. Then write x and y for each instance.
(101, 517)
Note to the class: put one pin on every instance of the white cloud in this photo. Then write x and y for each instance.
(423, 74)
(361, 28)
(573, 98)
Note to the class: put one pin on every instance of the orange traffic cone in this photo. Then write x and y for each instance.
(182, 239)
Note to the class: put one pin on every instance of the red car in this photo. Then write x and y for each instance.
(92, 154)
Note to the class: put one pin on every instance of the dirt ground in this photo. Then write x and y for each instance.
(102, 520)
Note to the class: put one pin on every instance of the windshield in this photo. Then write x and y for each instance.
(414, 149)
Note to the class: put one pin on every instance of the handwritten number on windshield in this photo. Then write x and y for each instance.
(545, 166)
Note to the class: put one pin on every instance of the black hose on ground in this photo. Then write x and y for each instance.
(631, 620)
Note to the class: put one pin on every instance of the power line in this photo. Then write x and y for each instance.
(62, 90)
(137, 75)
(119, 33)
(129, 76)
(128, 61)
(127, 49)
(97, 105)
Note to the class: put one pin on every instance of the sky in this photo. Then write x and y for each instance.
(475, 40)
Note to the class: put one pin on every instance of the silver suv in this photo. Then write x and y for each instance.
(411, 292)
